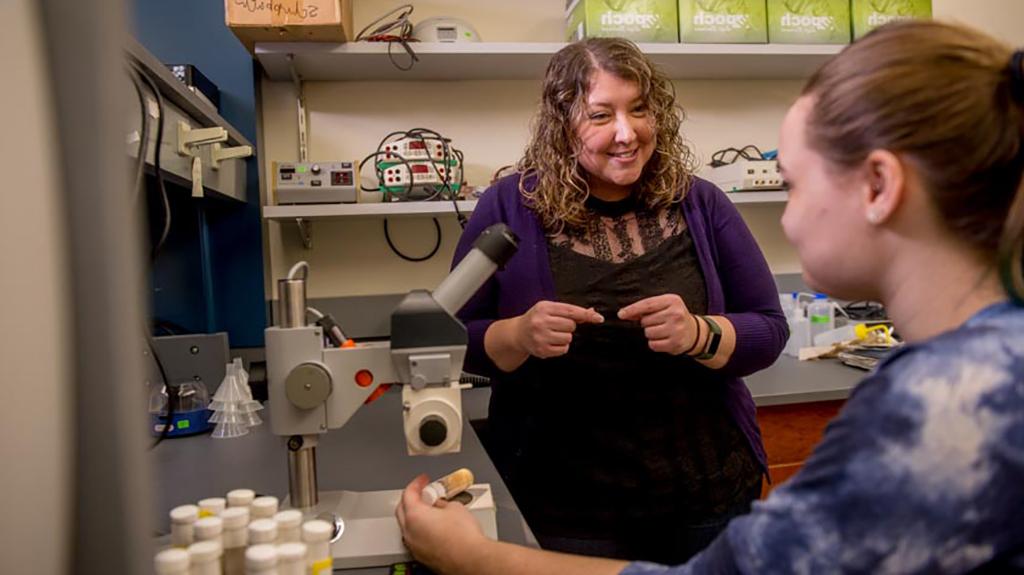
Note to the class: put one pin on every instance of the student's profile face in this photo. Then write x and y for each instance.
(616, 135)
(822, 218)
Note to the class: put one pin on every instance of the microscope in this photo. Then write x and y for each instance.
(313, 389)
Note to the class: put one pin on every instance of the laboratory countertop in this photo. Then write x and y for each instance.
(368, 454)
(789, 380)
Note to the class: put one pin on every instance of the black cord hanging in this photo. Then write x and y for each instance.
(437, 244)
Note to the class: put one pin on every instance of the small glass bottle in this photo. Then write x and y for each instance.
(289, 526)
(212, 506)
(171, 562)
(263, 531)
(240, 497)
(264, 507)
(236, 536)
(448, 486)
(183, 518)
(291, 559)
(821, 315)
(316, 534)
(261, 560)
(204, 558)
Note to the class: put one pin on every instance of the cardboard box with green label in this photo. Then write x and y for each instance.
(722, 21)
(809, 21)
(870, 14)
(637, 20)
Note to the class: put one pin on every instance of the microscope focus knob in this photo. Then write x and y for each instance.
(433, 431)
(308, 385)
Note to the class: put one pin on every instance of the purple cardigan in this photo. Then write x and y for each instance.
(739, 285)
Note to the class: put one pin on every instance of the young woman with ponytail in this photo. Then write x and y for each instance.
(905, 156)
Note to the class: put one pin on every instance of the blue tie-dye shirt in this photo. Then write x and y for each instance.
(921, 472)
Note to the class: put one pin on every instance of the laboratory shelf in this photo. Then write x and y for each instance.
(376, 209)
(528, 60)
(176, 91)
(392, 209)
(777, 197)
(228, 180)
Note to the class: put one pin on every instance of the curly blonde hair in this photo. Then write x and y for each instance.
(552, 154)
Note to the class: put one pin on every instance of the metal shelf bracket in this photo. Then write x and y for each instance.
(305, 232)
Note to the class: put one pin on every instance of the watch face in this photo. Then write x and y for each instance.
(714, 340)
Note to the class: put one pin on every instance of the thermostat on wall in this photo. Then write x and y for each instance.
(445, 29)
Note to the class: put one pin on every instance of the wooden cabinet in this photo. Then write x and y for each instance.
(790, 433)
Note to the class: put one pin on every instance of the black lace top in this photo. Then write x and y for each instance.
(622, 437)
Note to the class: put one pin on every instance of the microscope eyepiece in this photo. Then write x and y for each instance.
(498, 243)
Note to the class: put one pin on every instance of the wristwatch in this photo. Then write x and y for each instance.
(713, 340)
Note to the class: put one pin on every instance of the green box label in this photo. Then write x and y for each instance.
(870, 14)
(809, 21)
(638, 20)
(718, 21)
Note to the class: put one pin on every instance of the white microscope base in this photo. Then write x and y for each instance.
(371, 537)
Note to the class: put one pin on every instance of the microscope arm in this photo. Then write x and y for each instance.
(313, 388)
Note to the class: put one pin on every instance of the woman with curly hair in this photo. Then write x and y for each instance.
(617, 335)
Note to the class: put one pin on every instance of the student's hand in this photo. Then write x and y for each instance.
(668, 325)
(546, 329)
(436, 534)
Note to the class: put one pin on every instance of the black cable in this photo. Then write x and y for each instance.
(401, 21)
(140, 162)
(413, 58)
(167, 388)
(462, 219)
(397, 30)
(405, 161)
(422, 135)
(864, 310)
(437, 245)
(144, 75)
(380, 173)
(418, 134)
(718, 158)
(448, 151)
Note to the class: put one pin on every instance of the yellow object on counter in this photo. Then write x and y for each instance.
(448, 486)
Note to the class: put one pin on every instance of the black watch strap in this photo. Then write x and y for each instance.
(714, 339)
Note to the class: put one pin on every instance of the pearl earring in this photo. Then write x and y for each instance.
(873, 217)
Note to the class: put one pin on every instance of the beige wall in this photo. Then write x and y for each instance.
(489, 120)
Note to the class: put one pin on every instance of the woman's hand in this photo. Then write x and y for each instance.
(546, 329)
(436, 534)
(668, 324)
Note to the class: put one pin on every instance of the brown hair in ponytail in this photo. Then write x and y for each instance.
(947, 98)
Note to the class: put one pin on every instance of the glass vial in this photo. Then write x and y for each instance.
(448, 486)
